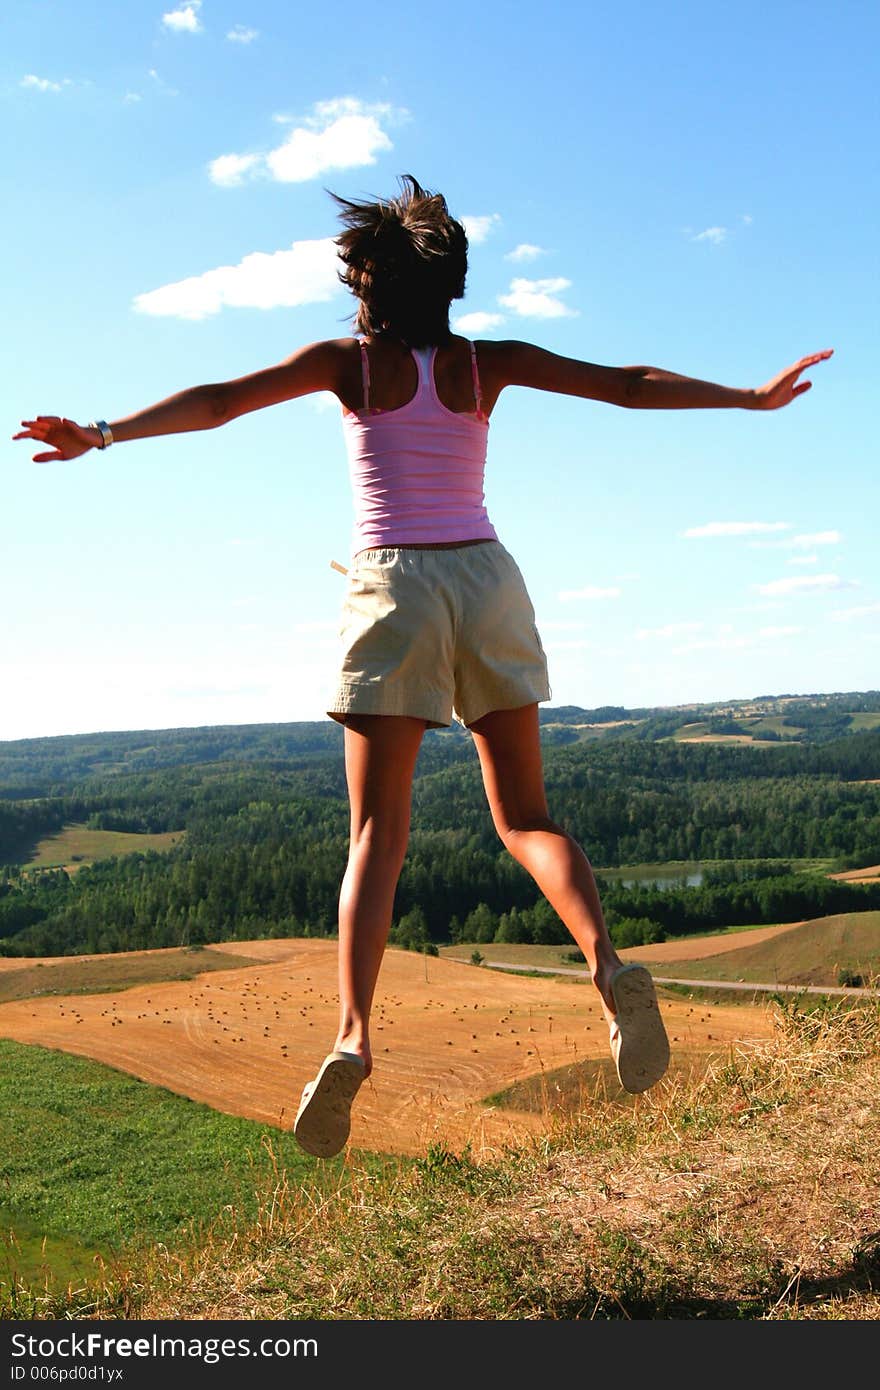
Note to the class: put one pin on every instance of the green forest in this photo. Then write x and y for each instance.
(265, 818)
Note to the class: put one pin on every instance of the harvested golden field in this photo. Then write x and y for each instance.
(445, 1036)
(869, 875)
(685, 948)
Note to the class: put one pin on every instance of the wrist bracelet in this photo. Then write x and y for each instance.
(104, 430)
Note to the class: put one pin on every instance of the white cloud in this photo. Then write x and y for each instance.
(304, 274)
(848, 615)
(807, 542)
(477, 322)
(239, 33)
(229, 170)
(478, 228)
(526, 251)
(714, 234)
(184, 20)
(806, 584)
(802, 542)
(670, 630)
(591, 591)
(803, 559)
(537, 298)
(747, 218)
(132, 96)
(344, 133)
(43, 84)
(734, 528)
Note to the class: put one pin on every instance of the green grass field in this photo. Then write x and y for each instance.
(772, 723)
(75, 845)
(865, 721)
(528, 957)
(94, 1161)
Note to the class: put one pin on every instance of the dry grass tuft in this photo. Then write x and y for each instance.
(749, 1191)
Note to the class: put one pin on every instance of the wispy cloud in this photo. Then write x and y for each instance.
(44, 84)
(726, 638)
(669, 630)
(537, 299)
(185, 19)
(802, 542)
(344, 133)
(806, 584)
(721, 644)
(851, 615)
(306, 273)
(526, 251)
(734, 528)
(477, 322)
(161, 83)
(714, 234)
(240, 33)
(479, 228)
(803, 560)
(591, 591)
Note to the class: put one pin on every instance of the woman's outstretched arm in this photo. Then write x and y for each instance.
(317, 367)
(636, 388)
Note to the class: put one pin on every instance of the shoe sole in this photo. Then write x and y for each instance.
(323, 1121)
(642, 1050)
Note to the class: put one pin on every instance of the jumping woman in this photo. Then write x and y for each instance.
(437, 620)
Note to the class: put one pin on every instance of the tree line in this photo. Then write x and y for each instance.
(265, 845)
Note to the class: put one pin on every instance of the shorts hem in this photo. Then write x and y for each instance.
(515, 699)
(367, 699)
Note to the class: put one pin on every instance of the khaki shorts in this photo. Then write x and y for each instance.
(434, 632)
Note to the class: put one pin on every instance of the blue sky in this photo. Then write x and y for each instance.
(685, 186)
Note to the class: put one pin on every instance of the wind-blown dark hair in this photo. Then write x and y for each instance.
(405, 261)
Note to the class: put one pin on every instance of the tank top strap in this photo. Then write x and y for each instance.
(424, 360)
(365, 374)
(478, 394)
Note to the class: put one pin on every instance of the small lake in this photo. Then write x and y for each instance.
(655, 875)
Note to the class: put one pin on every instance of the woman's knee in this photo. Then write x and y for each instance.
(380, 840)
(514, 832)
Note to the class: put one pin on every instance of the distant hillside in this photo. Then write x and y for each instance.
(816, 953)
(38, 767)
(805, 719)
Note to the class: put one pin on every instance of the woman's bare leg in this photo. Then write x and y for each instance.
(380, 758)
(509, 748)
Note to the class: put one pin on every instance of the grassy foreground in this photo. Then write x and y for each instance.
(749, 1192)
(95, 1164)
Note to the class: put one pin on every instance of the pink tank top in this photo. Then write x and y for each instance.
(417, 473)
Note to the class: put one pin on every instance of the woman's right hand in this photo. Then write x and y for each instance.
(785, 388)
(66, 438)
